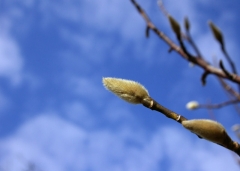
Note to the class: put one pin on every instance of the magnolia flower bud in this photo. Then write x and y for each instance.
(192, 105)
(127, 90)
(175, 26)
(216, 32)
(209, 130)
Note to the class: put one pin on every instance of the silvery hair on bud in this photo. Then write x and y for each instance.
(207, 129)
(127, 90)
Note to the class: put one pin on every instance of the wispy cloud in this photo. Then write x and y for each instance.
(85, 87)
(11, 61)
(66, 146)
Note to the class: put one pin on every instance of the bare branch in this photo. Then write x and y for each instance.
(162, 8)
(234, 70)
(198, 61)
(189, 38)
(154, 105)
(187, 27)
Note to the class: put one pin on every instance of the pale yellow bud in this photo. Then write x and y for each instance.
(127, 90)
(208, 129)
(192, 105)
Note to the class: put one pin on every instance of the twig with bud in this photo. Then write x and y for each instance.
(219, 37)
(198, 61)
(135, 93)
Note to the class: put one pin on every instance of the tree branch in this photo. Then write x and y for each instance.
(154, 105)
(198, 61)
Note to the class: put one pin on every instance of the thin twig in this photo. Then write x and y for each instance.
(192, 43)
(154, 105)
(217, 106)
(162, 8)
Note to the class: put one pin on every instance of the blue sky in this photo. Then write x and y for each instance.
(55, 112)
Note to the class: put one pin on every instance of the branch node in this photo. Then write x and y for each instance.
(151, 104)
(178, 118)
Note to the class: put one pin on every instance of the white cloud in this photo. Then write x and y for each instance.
(117, 113)
(52, 143)
(11, 62)
(86, 87)
(4, 101)
(78, 112)
(180, 8)
(105, 14)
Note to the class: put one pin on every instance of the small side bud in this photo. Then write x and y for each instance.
(175, 26)
(192, 105)
(216, 32)
(127, 90)
(209, 130)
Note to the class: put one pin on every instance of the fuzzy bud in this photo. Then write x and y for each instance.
(127, 90)
(209, 130)
(216, 32)
(192, 105)
(175, 26)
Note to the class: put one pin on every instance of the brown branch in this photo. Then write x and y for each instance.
(151, 26)
(162, 8)
(154, 105)
(188, 36)
(198, 61)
